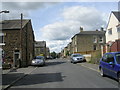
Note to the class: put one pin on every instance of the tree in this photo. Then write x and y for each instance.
(67, 53)
(53, 54)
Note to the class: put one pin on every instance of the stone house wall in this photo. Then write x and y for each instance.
(25, 45)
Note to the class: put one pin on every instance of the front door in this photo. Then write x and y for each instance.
(16, 57)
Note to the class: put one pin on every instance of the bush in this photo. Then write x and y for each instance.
(95, 58)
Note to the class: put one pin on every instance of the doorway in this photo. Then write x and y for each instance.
(16, 62)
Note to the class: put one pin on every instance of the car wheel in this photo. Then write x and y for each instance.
(44, 64)
(84, 60)
(119, 78)
(74, 62)
(10, 65)
(101, 72)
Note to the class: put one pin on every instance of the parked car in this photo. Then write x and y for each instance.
(110, 65)
(49, 57)
(38, 61)
(75, 58)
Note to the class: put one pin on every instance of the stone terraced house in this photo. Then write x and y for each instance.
(19, 42)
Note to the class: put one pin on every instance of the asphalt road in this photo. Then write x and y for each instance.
(63, 74)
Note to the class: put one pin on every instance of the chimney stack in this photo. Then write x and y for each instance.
(102, 29)
(96, 29)
(81, 29)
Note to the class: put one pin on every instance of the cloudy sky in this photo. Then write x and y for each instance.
(57, 22)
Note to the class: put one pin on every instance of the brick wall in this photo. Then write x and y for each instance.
(115, 46)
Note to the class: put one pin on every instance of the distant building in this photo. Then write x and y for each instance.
(88, 41)
(113, 32)
(19, 41)
(40, 48)
(47, 52)
(65, 51)
(69, 46)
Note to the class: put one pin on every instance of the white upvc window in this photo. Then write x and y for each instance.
(118, 29)
(1, 39)
(94, 39)
(110, 31)
(100, 39)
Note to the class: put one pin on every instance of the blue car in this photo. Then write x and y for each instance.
(110, 65)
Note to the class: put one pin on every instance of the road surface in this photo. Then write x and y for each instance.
(60, 73)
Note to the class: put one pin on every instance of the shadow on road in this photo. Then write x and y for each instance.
(53, 63)
(9, 78)
(40, 78)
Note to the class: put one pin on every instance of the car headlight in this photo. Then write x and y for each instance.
(74, 58)
(33, 61)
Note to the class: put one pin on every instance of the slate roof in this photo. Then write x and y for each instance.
(40, 43)
(90, 33)
(117, 15)
(13, 24)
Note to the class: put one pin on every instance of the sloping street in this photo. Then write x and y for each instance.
(63, 74)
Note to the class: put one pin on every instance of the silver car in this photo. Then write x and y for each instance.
(38, 61)
(75, 58)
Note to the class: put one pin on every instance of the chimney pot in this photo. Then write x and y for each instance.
(81, 29)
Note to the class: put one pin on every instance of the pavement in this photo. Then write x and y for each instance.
(10, 77)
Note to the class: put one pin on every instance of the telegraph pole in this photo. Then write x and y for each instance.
(21, 37)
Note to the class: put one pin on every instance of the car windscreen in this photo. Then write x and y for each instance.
(118, 58)
(77, 55)
(38, 57)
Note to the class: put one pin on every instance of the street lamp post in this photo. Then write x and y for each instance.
(5, 11)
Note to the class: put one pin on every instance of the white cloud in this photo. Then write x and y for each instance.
(60, 1)
(57, 45)
(74, 17)
(16, 8)
(89, 17)
(57, 33)
(60, 30)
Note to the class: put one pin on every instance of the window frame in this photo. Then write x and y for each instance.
(94, 39)
(118, 29)
(2, 41)
(94, 47)
(116, 57)
(101, 40)
(110, 31)
(106, 57)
